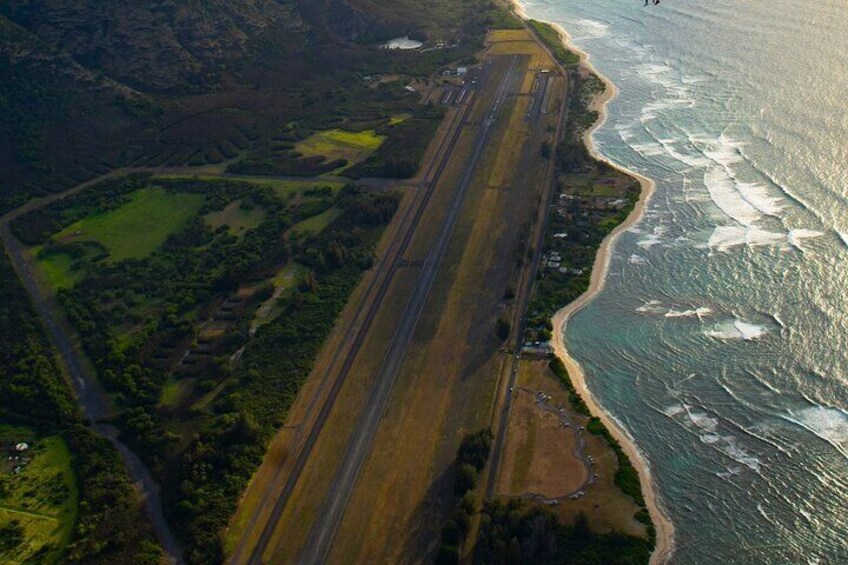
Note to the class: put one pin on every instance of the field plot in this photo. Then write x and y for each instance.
(519, 42)
(60, 270)
(316, 223)
(544, 461)
(237, 218)
(138, 227)
(542, 457)
(38, 498)
(334, 144)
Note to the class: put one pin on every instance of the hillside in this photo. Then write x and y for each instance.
(87, 86)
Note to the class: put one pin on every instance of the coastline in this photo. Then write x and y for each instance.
(664, 546)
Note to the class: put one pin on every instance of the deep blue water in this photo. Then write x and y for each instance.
(720, 340)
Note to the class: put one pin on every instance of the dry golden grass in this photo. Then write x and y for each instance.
(520, 42)
(606, 506)
(539, 456)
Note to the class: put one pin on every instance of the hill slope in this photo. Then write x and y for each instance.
(90, 85)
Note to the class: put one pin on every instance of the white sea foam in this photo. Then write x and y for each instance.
(738, 454)
(701, 420)
(707, 428)
(830, 424)
(637, 260)
(652, 239)
(674, 410)
(625, 132)
(699, 312)
(758, 196)
(796, 236)
(723, 192)
(691, 160)
(648, 149)
(710, 439)
(737, 329)
(590, 29)
(725, 238)
(649, 241)
(729, 472)
(651, 307)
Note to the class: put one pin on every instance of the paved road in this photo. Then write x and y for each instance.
(326, 527)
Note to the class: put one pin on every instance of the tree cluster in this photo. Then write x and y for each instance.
(472, 456)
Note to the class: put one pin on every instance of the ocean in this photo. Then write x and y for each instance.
(720, 339)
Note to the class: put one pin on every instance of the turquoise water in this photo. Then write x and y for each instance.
(720, 340)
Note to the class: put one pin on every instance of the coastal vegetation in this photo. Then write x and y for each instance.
(550, 36)
(512, 532)
(590, 200)
(167, 324)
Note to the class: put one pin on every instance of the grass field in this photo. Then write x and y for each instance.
(58, 269)
(339, 144)
(539, 455)
(283, 281)
(138, 227)
(173, 393)
(317, 223)
(551, 469)
(236, 218)
(39, 501)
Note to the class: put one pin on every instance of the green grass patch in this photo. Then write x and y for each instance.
(399, 119)
(38, 504)
(236, 217)
(138, 227)
(173, 392)
(316, 224)
(283, 282)
(340, 144)
(288, 275)
(58, 269)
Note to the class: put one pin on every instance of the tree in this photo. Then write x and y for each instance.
(503, 329)
(546, 149)
(466, 479)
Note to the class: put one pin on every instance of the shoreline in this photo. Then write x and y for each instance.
(664, 546)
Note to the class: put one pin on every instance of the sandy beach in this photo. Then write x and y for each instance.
(664, 528)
